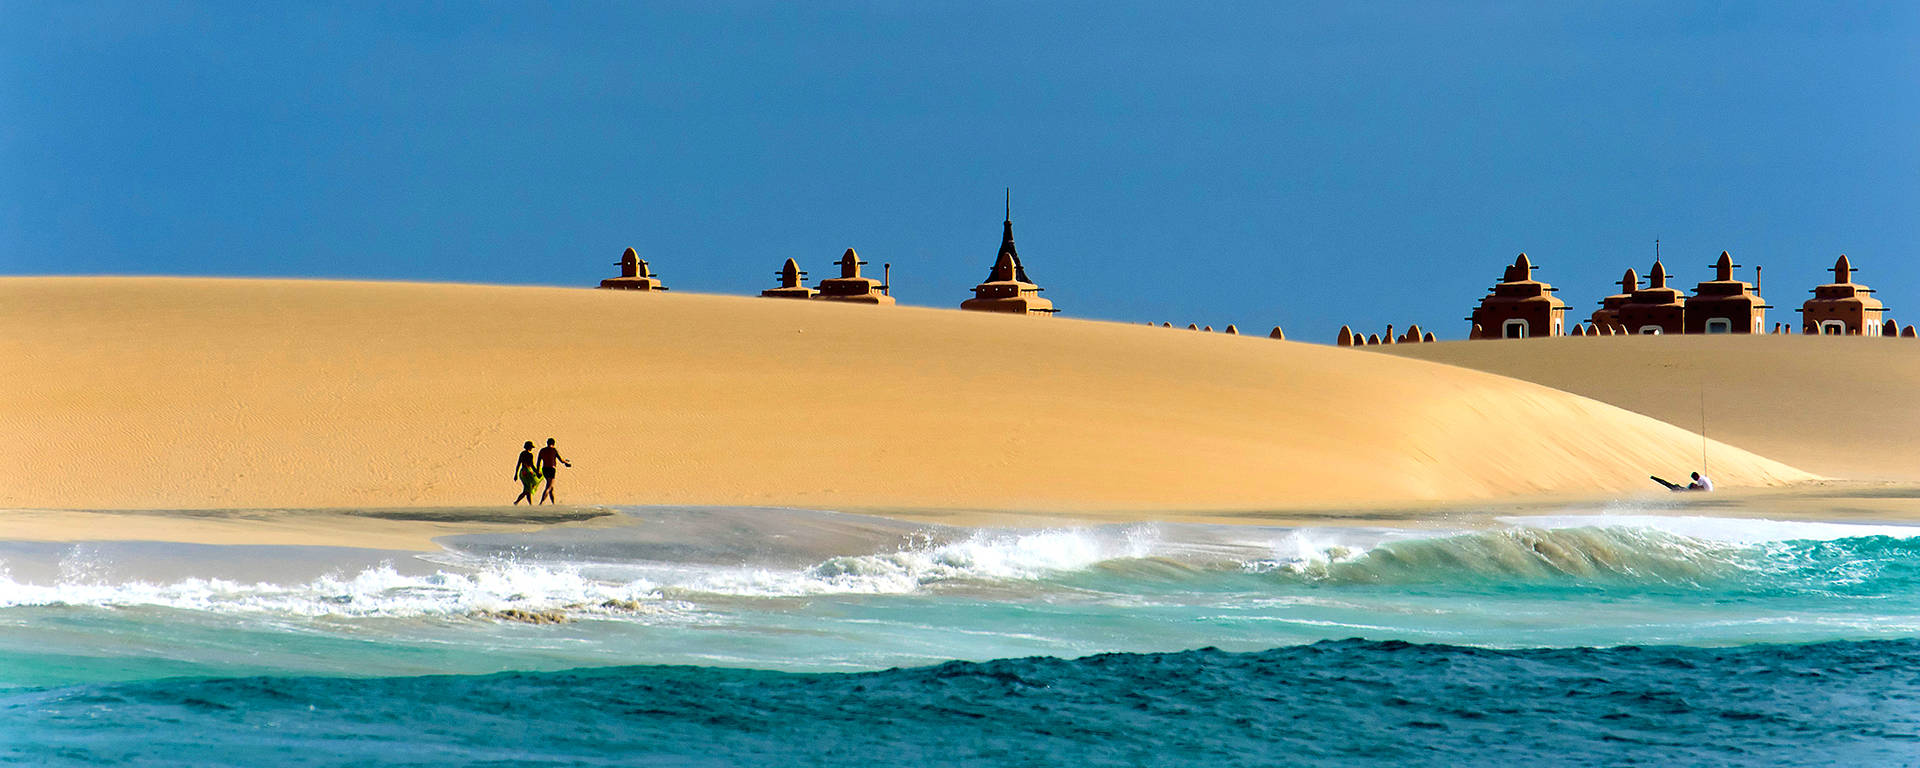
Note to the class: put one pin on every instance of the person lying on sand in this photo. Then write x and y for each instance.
(1700, 483)
(527, 474)
(548, 456)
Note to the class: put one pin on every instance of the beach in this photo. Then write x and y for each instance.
(283, 502)
(151, 393)
(816, 336)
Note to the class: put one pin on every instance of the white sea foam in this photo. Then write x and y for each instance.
(1661, 547)
(375, 592)
(1312, 550)
(984, 556)
(469, 586)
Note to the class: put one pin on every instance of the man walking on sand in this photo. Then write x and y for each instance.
(548, 456)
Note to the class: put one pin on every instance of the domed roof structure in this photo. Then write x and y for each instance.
(635, 275)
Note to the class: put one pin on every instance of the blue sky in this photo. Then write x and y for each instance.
(1300, 164)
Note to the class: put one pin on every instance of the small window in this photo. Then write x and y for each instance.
(1650, 330)
(1514, 329)
(1719, 325)
(1833, 328)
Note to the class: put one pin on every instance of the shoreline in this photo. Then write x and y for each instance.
(417, 528)
(395, 528)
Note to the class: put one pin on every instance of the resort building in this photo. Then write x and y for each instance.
(851, 286)
(1519, 307)
(1608, 315)
(1725, 305)
(1655, 308)
(634, 275)
(1007, 288)
(790, 283)
(1842, 307)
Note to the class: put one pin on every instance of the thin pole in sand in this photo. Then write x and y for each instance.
(1703, 425)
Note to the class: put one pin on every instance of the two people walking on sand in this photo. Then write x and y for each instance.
(530, 475)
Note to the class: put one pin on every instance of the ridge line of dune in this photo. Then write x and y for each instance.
(190, 393)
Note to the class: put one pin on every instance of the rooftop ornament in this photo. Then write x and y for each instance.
(1007, 288)
(634, 275)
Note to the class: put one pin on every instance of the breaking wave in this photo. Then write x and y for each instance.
(376, 592)
(982, 557)
(1528, 555)
(1722, 555)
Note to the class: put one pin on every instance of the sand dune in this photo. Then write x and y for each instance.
(133, 393)
(1844, 407)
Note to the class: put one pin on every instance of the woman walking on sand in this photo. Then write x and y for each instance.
(527, 474)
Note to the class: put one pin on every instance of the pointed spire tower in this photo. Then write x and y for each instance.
(1007, 288)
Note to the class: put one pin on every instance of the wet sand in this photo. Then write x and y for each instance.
(417, 529)
(385, 529)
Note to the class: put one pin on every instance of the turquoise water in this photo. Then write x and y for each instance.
(739, 636)
(1332, 703)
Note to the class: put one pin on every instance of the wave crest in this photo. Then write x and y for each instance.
(1114, 561)
(375, 592)
(982, 557)
(1527, 554)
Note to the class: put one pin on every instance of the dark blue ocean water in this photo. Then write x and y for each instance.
(1330, 703)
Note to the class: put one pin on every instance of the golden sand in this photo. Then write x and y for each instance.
(145, 393)
(1844, 407)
